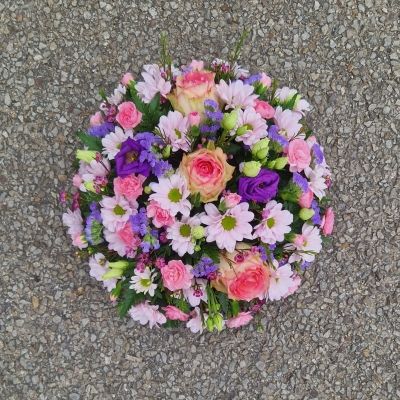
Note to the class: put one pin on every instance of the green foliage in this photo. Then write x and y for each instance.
(128, 299)
(290, 103)
(89, 197)
(92, 142)
(235, 307)
(223, 301)
(195, 199)
(213, 252)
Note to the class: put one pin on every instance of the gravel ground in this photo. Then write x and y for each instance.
(337, 338)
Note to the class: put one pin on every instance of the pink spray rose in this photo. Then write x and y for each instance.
(126, 79)
(126, 234)
(176, 275)
(242, 318)
(194, 118)
(175, 313)
(96, 119)
(306, 199)
(128, 116)
(206, 172)
(232, 200)
(265, 80)
(131, 186)
(299, 155)
(191, 90)
(160, 216)
(264, 109)
(327, 222)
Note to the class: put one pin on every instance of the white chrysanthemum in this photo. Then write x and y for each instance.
(118, 95)
(115, 212)
(181, 234)
(173, 129)
(236, 94)
(255, 125)
(280, 282)
(112, 142)
(172, 193)
(317, 181)
(142, 282)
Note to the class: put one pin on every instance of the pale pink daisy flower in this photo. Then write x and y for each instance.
(196, 292)
(122, 239)
(89, 171)
(241, 319)
(280, 281)
(317, 180)
(74, 221)
(79, 240)
(300, 105)
(276, 222)
(236, 94)
(98, 267)
(308, 241)
(173, 129)
(172, 193)
(116, 211)
(112, 142)
(227, 229)
(296, 284)
(142, 282)
(255, 127)
(195, 324)
(180, 233)
(118, 96)
(288, 123)
(145, 313)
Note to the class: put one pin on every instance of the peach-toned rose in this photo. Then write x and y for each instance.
(160, 216)
(264, 109)
(232, 200)
(128, 116)
(244, 280)
(96, 119)
(127, 78)
(242, 318)
(327, 222)
(131, 186)
(306, 199)
(175, 313)
(207, 172)
(176, 275)
(191, 90)
(299, 155)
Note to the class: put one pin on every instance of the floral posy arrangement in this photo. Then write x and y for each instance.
(200, 194)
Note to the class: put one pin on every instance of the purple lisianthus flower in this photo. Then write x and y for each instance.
(127, 161)
(260, 188)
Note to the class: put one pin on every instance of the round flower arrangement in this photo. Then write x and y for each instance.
(200, 194)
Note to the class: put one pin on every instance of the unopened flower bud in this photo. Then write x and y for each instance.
(242, 130)
(197, 248)
(90, 186)
(306, 213)
(118, 265)
(198, 232)
(147, 189)
(260, 149)
(113, 273)
(167, 151)
(210, 324)
(251, 168)
(86, 155)
(281, 162)
(229, 120)
(194, 118)
(217, 319)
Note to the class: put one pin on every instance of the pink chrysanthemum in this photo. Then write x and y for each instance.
(181, 234)
(309, 241)
(255, 127)
(300, 106)
(112, 142)
(98, 267)
(74, 221)
(280, 282)
(317, 181)
(228, 228)
(195, 324)
(115, 212)
(288, 123)
(118, 96)
(173, 128)
(145, 313)
(196, 292)
(276, 222)
(172, 193)
(236, 94)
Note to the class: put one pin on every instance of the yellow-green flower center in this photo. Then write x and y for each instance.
(174, 195)
(270, 222)
(118, 210)
(145, 282)
(177, 133)
(185, 230)
(228, 223)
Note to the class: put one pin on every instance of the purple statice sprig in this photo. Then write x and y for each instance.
(252, 79)
(316, 218)
(102, 130)
(94, 227)
(204, 267)
(274, 136)
(300, 181)
(317, 153)
(140, 222)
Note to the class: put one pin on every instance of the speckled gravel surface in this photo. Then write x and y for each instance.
(337, 338)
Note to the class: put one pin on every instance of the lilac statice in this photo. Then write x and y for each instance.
(316, 218)
(305, 265)
(161, 168)
(252, 79)
(205, 267)
(209, 129)
(300, 181)
(211, 104)
(263, 253)
(275, 137)
(150, 144)
(102, 130)
(94, 228)
(214, 115)
(318, 153)
(140, 222)
(150, 242)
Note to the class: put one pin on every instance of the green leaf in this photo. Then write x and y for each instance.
(232, 149)
(223, 301)
(235, 307)
(93, 143)
(289, 104)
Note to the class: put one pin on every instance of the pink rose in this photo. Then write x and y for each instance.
(242, 318)
(232, 200)
(160, 216)
(327, 222)
(78, 240)
(199, 65)
(299, 155)
(77, 180)
(206, 172)
(265, 80)
(191, 90)
(126, 234)
(176, 275)
(244, 280)
(96, 119)
(175, 313)
(131, 186)
(194, 118)
(126, 79)
(264, 109)
(306, 199)
(296, 284)
(128, 116)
